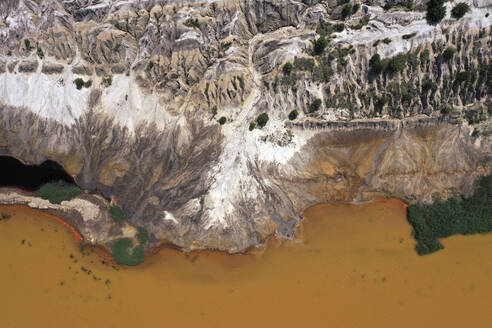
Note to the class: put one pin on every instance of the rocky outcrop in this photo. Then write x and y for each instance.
(141, 127)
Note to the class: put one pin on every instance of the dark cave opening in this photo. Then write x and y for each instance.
(30, 177)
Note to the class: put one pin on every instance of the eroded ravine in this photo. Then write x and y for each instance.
(349, 266)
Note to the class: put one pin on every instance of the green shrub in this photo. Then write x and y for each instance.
(304, 64)
(448, 54)
(362, 22)
(222, 120)
(262, 120)
(117, 47)
(117, 214)
(339, 27)
(125, 253)
(293, 114)
(107, 81)
(142, 236)
(355, 7)
(347, 10)
(435, 11)
(288, 67)
(397, 63)
(315, 105)
(40, 53)
(79, 83)
(225, 45)
(387, 40)
(425, 56)
(252, 126)
(455, 216)
(58, 191)
(320, 45)
(27, 44)
(377, 64)
(460, 10)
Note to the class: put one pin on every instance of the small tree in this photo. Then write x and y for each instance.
(79, 83)
(287, 69)
(397, 63)
(315, 105)
(435, 11)
(262, 120)
(252, 126)
(320, 45)
(460, 10)
(293, 114)
(448, 54)
(347, 10)
(222, 120)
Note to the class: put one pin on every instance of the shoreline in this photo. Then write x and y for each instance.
(154, 250)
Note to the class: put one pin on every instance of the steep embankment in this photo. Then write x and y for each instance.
(127, 97)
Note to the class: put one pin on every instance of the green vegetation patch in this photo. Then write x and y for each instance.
(448, 54)
(125, 253)
(262, 119)
(80, 83)
(455, 216)
(222, 120)
(116, 213)
(58, 191)
(435, 11)
(320, 45)
(293, 114)
(460, 10)
(142, 236)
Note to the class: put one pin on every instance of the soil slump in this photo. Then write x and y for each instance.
(350, 266)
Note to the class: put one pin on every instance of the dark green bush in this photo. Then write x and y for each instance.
(387, 40)
(320, 45)
(79, 83)
(455, 216)
(362, 22)
(397, 63)
(142, 236)
(347, 10)
(58, 191)
(355, 7)
(315, 105)
(435, 11)
(107, 81)
(252, 126)
(222, 120)
(262, 120)
(448, 54)
(125, 253)
(288, 67)
(460, 10)
(116, 213)
(293, 114)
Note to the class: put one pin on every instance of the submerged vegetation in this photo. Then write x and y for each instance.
(455, 216)
(58, 191)
(125, 253)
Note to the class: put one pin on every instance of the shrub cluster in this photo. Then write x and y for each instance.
(315, 105)
(320, 45)
(80, 83)
(125, 253)
(293, 114)
(435, 11)
(262, 120)
(454, 216)
(116, 213)
(460, 10)
(58, 191)
(142, 236)
(394, 64)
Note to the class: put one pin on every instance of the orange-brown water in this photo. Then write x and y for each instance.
(351, 266)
